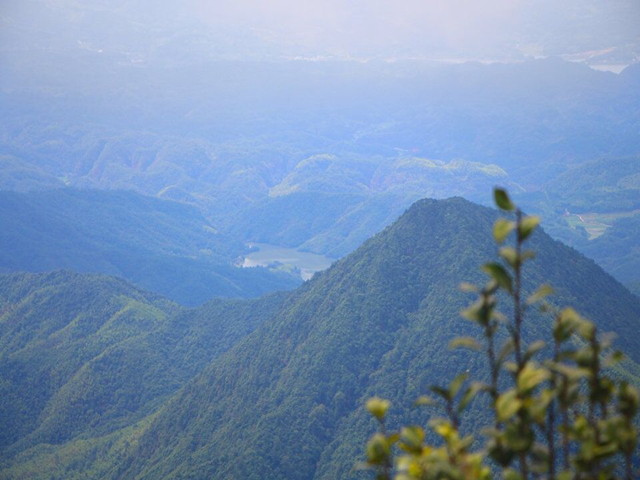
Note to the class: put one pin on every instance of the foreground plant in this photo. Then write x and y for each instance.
(554, 417)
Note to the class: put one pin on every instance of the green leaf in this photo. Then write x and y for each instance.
(505, 351)
(566, 324)
(469, 287)
(470, 393)
(444, 429)
(477, 312)
(534, 348)
(511, 367)
(465, 342)
(518, 438)
(425, 400)
(542, 292)
(530, 377)
(456, 384)
(500, 275)
(499, 452)
(499, 316)
(362, 466)
(613, 358)
(502, 228)
(411, 439)
(586, 329)
(539, 406)
(528, 225)
(378, 407)
(570, 372)
(507, 405)
(511, 474)
(569, 315)
(510, 256)
(603, 451)
(502, 199)
(378, 450)
(628, 400)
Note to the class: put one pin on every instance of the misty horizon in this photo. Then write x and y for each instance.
(594, 31)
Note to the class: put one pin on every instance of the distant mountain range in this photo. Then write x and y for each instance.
(262, 389)
(321, 155)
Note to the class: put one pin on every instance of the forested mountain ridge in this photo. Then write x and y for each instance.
(85, 357)
(164, 246)
(274, 387)
(286, 402)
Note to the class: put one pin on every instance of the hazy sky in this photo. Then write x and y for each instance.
(359, 23)
(429, 26)
(355, 27)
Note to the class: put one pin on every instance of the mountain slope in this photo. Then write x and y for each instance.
(271, 388)
(20, 176)
(51, 326)
(603, 185)
(163, 246)
(595, 208)
(286, 402)
(84, 356)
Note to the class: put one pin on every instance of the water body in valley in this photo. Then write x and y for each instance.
(268, 255)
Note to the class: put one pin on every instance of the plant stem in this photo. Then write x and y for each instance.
(594, 385)
(565, 436)
(517, 333)
(516, 294)
(492, 361)
(551, 419)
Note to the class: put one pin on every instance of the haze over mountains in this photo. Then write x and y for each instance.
(146, 145)
(166, 247)
(142, 31)
(220, 112)
(309, 157)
